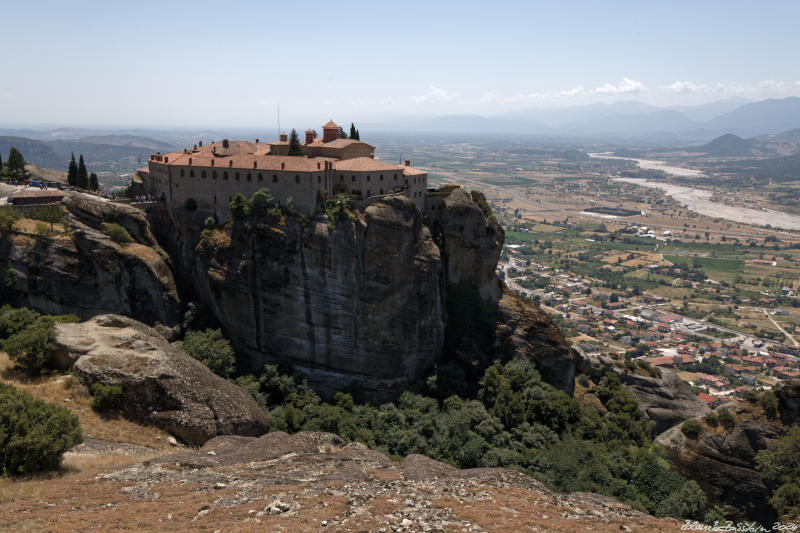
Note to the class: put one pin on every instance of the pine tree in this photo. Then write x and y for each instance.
(353, 134)
(72, 172)
(294, 144)
(94, 183)
(15, 160)
(83, 175)
(1, 162)
(358, 136)
(342, 134)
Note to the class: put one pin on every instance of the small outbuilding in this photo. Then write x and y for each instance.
(36, 197)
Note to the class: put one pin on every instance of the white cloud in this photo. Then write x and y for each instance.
(434, 94)
(625, 86)
(685, 87)
(532, 97)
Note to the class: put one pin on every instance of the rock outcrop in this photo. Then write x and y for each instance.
(87, 273)
(95, 213)
(161, 385)
(524, 330)
(471, 243)
(722, 462)
(666, 400)
(360, 304)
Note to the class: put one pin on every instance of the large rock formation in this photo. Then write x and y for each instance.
(87, 273)
(722, 462)
(358, 304)
(666, 400)
(161, 385)
(524, 330)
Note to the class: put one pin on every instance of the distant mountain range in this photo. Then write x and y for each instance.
(628, 120)
(782, 144)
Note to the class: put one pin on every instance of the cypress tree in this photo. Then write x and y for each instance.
(1, 162)
(342, 134)
(353, 134)
(294, 144)
(15, 160)
(358, 136)
(83, 175)
(94, 183)
(72, 172)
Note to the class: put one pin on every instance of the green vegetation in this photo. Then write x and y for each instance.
(212, 349)
(709, 264)
(28, 338)
(15, 163)
(83, 175)
(295, 149)
(106, 397)
(118, 234)
(72, 172)
(780, 464)
(691, 428)
(8, 216)
(339, 209)
(8, 281)
(354, 132)
(238, 206)
(50, 214)
(94, 182)
(33, 434)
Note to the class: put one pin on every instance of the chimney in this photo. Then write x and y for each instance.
(255, 164)
(309, 136)
(230, 163)
(166, 159)
(190, 161)
(200, 144)
(256, 141)
(283, 166)
(195, 147)
(408, 162)
(283, 137)
(224, 143)
(317, 165)
(212, 162)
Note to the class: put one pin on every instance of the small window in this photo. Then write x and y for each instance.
(237, 176)
(368, 192)
(381, 191)
(181, 172)
(341, 177)
(260, 176)
(297, 179)
(354, 178)
(249, 177)
(395, 177)
(319, 179)
(203, 174)
(367, 177)
(214, 175)
(191, 173)
(381, 177)
(274, 178)
(225, 175)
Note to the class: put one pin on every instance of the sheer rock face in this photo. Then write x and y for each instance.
(524, 330)
(723, 464)
(471, 243)
(87, 273)
(161, 385)
(360, 304)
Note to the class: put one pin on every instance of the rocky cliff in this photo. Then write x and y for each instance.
(86, 273)
(359, 304)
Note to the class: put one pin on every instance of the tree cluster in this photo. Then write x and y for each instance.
(78, 175)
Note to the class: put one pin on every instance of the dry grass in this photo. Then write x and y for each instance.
(67, 391)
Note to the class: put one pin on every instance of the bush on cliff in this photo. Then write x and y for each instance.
(33, 434)
(118, 234)
(28, 337)
(212, 349)
(691, 428)
(106, 397)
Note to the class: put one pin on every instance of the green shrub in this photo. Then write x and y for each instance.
(33, 434)
(106, 397)
(258, 205)
(212, 349)
(15, 320)
(190, 204)
(691, 428)
(238, 206)
(118, 234)
(726, 418)
(711, 419)
(32, 348)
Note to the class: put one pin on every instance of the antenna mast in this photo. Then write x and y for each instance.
(279, 120)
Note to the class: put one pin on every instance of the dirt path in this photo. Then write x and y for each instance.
(786, 333)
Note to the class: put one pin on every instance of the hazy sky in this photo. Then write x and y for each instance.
(230, 63)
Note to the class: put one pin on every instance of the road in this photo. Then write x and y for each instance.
(791, 339)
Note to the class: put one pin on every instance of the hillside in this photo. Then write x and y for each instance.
(37, 152)
(728, 145)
